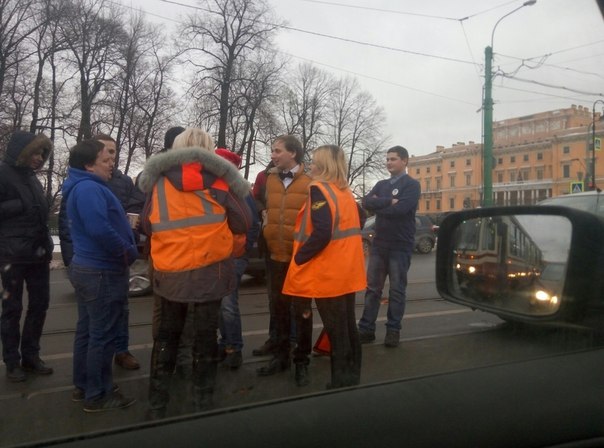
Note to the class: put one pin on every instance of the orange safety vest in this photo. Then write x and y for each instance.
(340, 267)
(189, 228)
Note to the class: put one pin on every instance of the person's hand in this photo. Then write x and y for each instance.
(394, 201)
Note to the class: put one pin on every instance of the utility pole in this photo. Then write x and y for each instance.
(487, 113)
(593, 145)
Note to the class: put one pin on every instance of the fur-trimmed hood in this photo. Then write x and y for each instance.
(23, 144)
(160, 163)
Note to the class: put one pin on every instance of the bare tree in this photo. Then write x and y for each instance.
(232, 31)
(355, 123)
(17, 23)
(304, 111)
(93, 32)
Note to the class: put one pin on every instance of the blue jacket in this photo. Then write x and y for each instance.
(394, 224)
(101, 235)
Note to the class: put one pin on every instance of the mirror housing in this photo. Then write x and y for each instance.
(580, 299)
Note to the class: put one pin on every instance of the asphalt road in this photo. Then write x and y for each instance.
(437, 337)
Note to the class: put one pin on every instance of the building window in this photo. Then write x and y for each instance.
(468, 162)
(500, 177)
(539, 173)
(468, 180)
(525, 157)
(427, 184)
(452, 164)
(438, 204)
(513, 159)
(500, 161)
(566, 149)
(427, 170)
(452, 203)
(539, 156)
(427, 205)
(438, 169)
(566, 171)
(452, 180)
(512, 176)
(417, 171)
(438, 184)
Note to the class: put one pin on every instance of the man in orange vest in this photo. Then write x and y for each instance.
(286, 192)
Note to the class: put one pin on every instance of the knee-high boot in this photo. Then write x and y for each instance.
(163, 360)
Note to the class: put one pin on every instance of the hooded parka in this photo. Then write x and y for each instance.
(24, 235)
(196, 205)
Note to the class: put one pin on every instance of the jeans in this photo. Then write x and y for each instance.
(394, 264)
(302, 312)
(230, 317)
(165, 347)
(36, 277)
(123, 337)
(100, 295)
(337, 314)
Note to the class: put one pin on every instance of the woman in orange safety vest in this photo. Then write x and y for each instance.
(328, 263)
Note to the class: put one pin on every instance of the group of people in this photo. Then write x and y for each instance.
(201, 219)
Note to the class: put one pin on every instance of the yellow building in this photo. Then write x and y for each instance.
(535, 157)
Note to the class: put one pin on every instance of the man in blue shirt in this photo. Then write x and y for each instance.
(394, 202)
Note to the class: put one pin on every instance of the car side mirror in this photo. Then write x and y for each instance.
(529, 264)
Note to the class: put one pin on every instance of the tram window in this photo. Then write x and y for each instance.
(489, 235)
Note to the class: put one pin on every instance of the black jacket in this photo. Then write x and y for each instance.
(24, 235)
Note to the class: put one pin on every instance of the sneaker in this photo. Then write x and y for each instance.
(15, 374)
(36, 366)
(233, 360)
(79, 394)
(112, 401)
(366, 337)
(392, 338)
(127, 361)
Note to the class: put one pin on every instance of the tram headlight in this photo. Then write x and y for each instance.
(471, 269)
(545, 297)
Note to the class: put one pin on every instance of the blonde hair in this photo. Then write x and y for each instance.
(330, 162)
(194, 137)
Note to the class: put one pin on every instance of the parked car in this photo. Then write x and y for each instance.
(425, 234)
(589, 201)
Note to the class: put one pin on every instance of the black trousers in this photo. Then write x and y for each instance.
(37, 278)
(165, 348)
(340, 324)
(282, 304)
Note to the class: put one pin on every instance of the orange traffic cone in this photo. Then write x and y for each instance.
(322, 346)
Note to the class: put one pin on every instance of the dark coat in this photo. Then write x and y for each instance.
(129, 195)
(24, 235)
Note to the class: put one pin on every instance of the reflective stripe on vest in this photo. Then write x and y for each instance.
(209, 216)
(337, 234)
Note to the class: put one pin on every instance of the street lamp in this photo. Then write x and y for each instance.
(487, 195)
(593, 145)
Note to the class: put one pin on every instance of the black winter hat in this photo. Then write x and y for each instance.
(171, 134)
(17, 143)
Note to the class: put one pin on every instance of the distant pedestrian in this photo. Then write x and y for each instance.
(394, 202)
(230, 344)
(25, 253)
(328, 263)
(104, 247)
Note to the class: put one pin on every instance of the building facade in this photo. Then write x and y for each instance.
(535, 157)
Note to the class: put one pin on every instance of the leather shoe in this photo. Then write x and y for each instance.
(15, 374)
(265, 349)
(36, 366)
(127, 361)
(275, 365)
(302, 376)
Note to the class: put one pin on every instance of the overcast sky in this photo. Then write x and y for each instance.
(430, 80)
